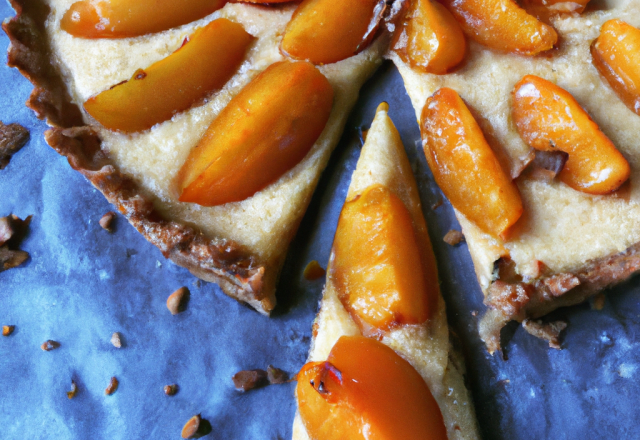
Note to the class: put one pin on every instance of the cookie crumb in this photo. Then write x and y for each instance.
(437, 204)
(170, 390)
(598, 301)
(313, 271)
(196, 427)
(12, 231)
(106, 222)
(113, 386)
(549, 331)
(115, 340)
(49, 345)
(7, 329)
(453, 237)
(276, 375)
(74, 389)
(12, 138)
(177, 301)
(250, 379)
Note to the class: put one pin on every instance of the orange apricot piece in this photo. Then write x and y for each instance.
(262, 133)
(327, 31)
(377, 265)
(126, 18)
(548, 118)
(465, 167)
(365, 390)
(207, 60)
(616, 55)
(502, 25)
(430, 38)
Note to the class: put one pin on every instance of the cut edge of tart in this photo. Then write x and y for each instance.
(188, 236)
(426, 346)
(568, 245)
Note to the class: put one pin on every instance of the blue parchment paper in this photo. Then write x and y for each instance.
(81, 284)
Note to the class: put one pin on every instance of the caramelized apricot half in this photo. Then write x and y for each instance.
(465, 167)
(262, 133)
(548, 118)
(366, 391)
(616, 55)
(502, 25)
(327, 31)
(127, 18)
(203, 64)
(376, 263)
(430, 38)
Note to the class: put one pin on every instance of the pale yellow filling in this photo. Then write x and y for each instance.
(562, 227)
(264, 223)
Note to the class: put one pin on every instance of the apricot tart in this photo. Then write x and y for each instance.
(532, 135)
(193, 120)
(381, 365)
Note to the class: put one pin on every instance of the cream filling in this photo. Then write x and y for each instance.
(561, 227)
(264, 223)
(426, 347)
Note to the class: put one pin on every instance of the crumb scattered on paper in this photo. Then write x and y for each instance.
(12, 138)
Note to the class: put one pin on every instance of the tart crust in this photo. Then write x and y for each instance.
(426, 347)
(243, 271)
(568, 245)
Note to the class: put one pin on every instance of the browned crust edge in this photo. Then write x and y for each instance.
(221, 261)
(539, 297)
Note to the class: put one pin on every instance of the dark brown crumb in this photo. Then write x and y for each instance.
(113, 386)
(597, 303)
(250, 379)
(12, 231)
(170, 390)
(453, 237)
(437, 204)
(49, 345)
(177, 301)
(313, 271)
(7, 329)
(12, 138)
(74, 389)
(107, 221)
(549, 331)
(276, 375)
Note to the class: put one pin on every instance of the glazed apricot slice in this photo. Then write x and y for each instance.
(616, 55)
(376, 263)
(502, 25)
(262, 133)
(430, 38)
(548, 118)
(203, 64)
(465, 167)
(366, 391)
(127, 18)
(327, 31)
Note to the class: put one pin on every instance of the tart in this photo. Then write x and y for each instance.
(241, 245)
(408, 321)
(569, 242)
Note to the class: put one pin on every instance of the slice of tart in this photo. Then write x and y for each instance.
(381, 364)
(579, 227)
(241, 241)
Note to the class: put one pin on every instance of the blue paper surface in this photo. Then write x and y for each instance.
(81, 284)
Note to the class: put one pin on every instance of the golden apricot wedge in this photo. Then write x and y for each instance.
(377, 266)
(465, 167)
(616, 55)
(430, 38)
(366, 391)
(126, 18)
(202, 65)
(327, 31)
(548, 118)
(262, 133)
(502, 25)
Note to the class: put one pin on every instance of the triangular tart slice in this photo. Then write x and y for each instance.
(382, 316)
(240, 245)
(569, 243)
